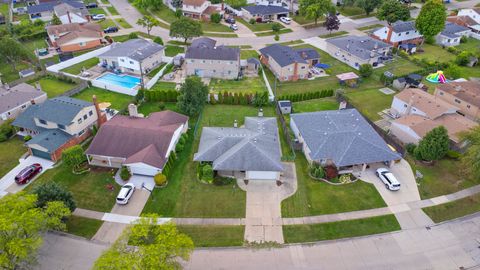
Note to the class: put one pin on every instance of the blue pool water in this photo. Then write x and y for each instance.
(120, 80)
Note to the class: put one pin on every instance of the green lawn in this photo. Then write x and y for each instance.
(89, 190)
(84, 227)
(164, 86)
(215, 27)
(184, 195)
(245, 85)
(271, 33)
(98, 10)
(118, 101)
(319, 198)
(370, 27)
(112, 11)
(257, 27)
(351, 11)
(399, 67)
(314, 105)
(340, 229)
(219, 34)
(9, 74)
(302, 20)
(10, 152)
(77, 68)
(123, 23)
(53, 86)
(245, 54)
(214, 236)
(107, 23)
(154, 106)
(455, 209)
(173, 50)
(34, 44)
(434, 53)
(370, 102)
(472, 45)
(334, 34)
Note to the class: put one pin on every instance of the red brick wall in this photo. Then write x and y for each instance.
(74, 141)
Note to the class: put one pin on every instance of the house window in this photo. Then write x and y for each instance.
(79, 120)
(449, 40)
(407, 33)
(85, 117)
(81, 132)
(60, 126)
(42, 121)
(399, 34)
(82, 44)
(203, 61)
(131, 62)
(24, 106)
(405, 105)
(458, 101)
(90, 113)
(122, 60)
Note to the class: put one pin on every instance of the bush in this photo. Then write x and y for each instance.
(161, 106)
(51, 191)
(160, 179)
(366, 70)
(132, 35)
(158, 40)
(453, 154)
(453, 72)
(277, 37)
(215, 18)
(463, 39)
(27, 138)
(125, 173)
(179, 148)
(410, 147)
(252, 21)
(6, 130)
(207, 173)
(222, 181)
(463, 58)
(345, 178)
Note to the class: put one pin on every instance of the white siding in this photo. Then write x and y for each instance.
(143, 169)
(262, 175)
(401, 108)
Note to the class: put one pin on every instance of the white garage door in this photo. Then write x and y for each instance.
(262, 175)
(143, 169)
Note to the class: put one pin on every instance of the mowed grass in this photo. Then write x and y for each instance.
(173, 50)
(399, 67)
(214, 236)
(154, 106)
(258, 27)
(53, 86)
(370, 102)
(84, 227)
(319, 198)
(245, 54)
(10, 152)
(77, 68)
(112, 10)
(123, 23)
(340, 229)
(245, 85)
(434, 53)
(118, 101)
(472, 45)
(455, 209)
(321, 104)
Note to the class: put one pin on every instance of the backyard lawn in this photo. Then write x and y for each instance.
(154, 106)
(455, 209)
(10, 152)
(163, 86)
(245, 54)
(340, 229)
(9, 74)
(319, 198)
(53, 86)
(472, 45)
(214, 236)
(173, 50)
(434, 53)
(314, 105)
(399, 67)
(370, 102)
(77, 68)
(118, 101)
(84, 227)
(245, 85)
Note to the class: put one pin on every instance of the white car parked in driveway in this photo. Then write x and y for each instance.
(98, 17)
(388, 179)
(286, 20)
(125, 193)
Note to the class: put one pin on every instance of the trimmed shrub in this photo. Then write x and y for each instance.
(51, 191)
(222, 181)
(158, 40)
(160, 179)
(27, 138)
(125, 173)
(366, 70)
(252, 21)
(132, 35)
(277, 37)
(207, 173)
(410, 147)
(215, 18)
(453, 154)
(179, 148)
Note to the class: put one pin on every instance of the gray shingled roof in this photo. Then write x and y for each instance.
(401, 26)
(137, 49)
(452, 29)
(285, 55)
(343, 136)
(26, 119)
(253, 148)
(51, 139)
(265, 10)
(204, 48)
(49, 6)
(362, 47)
(18, 95)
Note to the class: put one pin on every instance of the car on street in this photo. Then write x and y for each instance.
(98, 17)
(230, 20)
(91, 5)
(234, 27)
(286, 20)
(125, 193)
(391, 183)
(27, 174)
(111, 29)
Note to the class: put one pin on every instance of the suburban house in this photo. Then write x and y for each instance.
(264, 13)
(68, 11)
(279, 3)
(356, 50)
(198, 9)
(417, 112)
(473, 13)
(289, 64)
(399, 33)
(204, 59)
(15, 100)
(137, 56)
(57, 124)
(464, 95)
(253, 149)
(341, 136)
(74, 37)
(467, 22)
(141, 144)
(451, 34)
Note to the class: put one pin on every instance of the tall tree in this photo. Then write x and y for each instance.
(431, 19)
(148, 22)
(314, 9)
(368, 5)
(193, 96)
(147, 245)
(392, 11)
(22, 225)
(12, 52)
(74, 157)
(50, 192)
(185, 28)
(56, 20)
(236, 3)
(434, 145)
(471, 158)
(332, 22)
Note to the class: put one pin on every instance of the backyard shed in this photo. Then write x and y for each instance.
(285, 106)
(349, 78)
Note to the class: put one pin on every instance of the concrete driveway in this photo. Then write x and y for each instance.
(7, 182)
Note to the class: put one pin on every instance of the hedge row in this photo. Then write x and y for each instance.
(307, 96)
(160, 95)
(257, 99)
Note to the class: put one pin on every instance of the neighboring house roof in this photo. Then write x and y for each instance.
(49, 6)
(138, 139)
(255, 147)
(363, 47)
(432, 106)
(343, 136)
(18, 95)
(462, 20)
(27, 71)
(196, 3)
(285, 103)
(64, 8)
(253, 60)
(50, 139)
(452, 30)
(454, 123)
(204, 48)
(265, 10)
(71, 31)
(136, 49)
(468, 91)
(401, 26)
(285, 55)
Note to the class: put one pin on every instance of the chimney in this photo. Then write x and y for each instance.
(235, 124)
(132, 110)
(260, 112)
(389, 33)
(101, 118)
(69, 18)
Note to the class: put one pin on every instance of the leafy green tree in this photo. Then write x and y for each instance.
(50, 192)
(22, 225)
(463, 58)
(193, 96)
(314, 9)
(12, 52)
(149, 4)
(276, 27)
(434, 145)
(368, 5)
(366, 70)
(74, 157)
(236, 3)
(392, 11)
(148, 22)
(260, 99)
(431, 19)
(332, 22)
(147, 245)
(185, 28)
(216, 18)
(132, 35)
(56, 20)
(453, 72)
(470, 159)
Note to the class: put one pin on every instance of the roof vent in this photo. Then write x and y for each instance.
(235, 123)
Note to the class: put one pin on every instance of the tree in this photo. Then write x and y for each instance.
(148, 22)
(74, 157)
(147, 245)
(276, 27)
(149, 4)
(50, 192)
(332, 22)
(236, 3)
(177, 3)
(368, 5)
(392, 11)
(431, 19)
(193, 96)
(216, 17)
(470, 160)
(56, 20)
(22, 224)
(12, 52)
(366, 70)
(314, 9)
(453, 72)
(463, 58)
(434, 145)
(185, 28)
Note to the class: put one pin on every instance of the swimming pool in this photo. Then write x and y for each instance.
(126, 81)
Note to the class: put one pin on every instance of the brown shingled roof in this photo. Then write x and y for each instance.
(194, 2)
(71, 31)
(468, 91)
(462, 20)
(429, 104)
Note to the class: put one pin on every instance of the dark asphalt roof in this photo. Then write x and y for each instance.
(48, 6)
(451, 30)
(51, 139)
(362, 47)
(204, 48)
(401, 26)
(285, 55)
(137, 49)
(265, 10)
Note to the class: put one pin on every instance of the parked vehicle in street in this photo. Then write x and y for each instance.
(388, 179)
(98, 17)
(230, 20)
(286, 20)
(125, 193)
(27, 174)
(91, 5)
(234, 27)
(111, 29)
